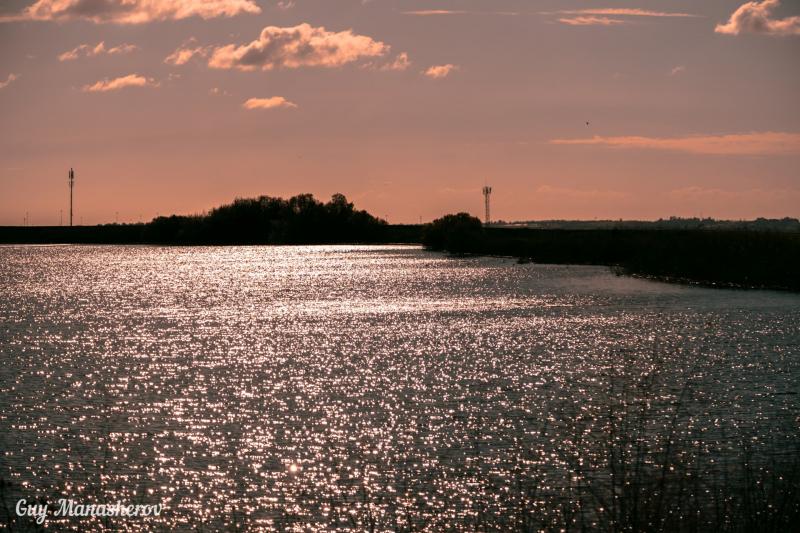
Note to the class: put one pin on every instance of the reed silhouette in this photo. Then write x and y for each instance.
(734, 258)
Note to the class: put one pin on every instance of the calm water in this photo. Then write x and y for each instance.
(372, 386)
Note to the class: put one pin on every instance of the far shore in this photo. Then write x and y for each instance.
(708, 258)
(758, 254)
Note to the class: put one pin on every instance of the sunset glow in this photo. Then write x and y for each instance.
(568, 108)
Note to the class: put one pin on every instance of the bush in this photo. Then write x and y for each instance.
(455, 233)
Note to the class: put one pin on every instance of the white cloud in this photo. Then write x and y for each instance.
(88, 50)
(622, 12)
(590, 21)
(400, 63)
(756, 17)
(437, 12)
(679, 69)
(432, 12)
(9, 80)
(131, 80)
(272, 102)
(755, 143)
(184, 53)
(440, 71)
(133, 11)
(609, 16)
(295, 47)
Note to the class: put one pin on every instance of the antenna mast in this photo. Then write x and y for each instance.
(71, 186)
(487, 193)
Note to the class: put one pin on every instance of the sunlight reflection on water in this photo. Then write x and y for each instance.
(359, 386)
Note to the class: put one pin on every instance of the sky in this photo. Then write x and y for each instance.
(569, 109)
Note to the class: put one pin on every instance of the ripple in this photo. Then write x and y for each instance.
(378, 387)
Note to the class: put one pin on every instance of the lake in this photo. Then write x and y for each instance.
(387, 388)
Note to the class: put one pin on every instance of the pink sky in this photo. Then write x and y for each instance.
(407, 107)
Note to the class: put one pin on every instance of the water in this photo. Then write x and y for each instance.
(379, 387)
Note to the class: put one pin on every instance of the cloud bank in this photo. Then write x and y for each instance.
(756, 17)
(272, 102)
(131, 80)
(133, 11)
(295, 47)
(756, 143)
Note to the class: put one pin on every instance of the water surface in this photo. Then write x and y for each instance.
(367, 386)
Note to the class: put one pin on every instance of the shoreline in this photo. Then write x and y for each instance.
(719, 259)
(742, 259)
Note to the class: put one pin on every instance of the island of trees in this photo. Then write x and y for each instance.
(761, 254)
(301, 219)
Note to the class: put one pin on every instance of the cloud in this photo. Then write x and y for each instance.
(680, 69)
(88, 50)
(756, 143)
(131, 80)
(285, 4)
(184, 53)
(133, 11)
(401, 62)
(432, 12)
(440, 71)
(591, 21)
(9, 80)
(755, 17)
(295, 47)
(621, 12)
(604, 16)
(268, 103)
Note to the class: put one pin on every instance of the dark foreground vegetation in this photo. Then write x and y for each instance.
(736, 258)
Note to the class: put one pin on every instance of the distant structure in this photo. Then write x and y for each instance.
(487, 193)
(71, 186)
